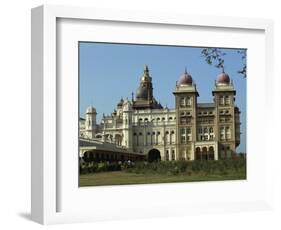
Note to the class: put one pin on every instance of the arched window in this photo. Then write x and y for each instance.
(228, 132)
(222, 133)
(167, 155)
(227, 100)
(189, 101)
(182, 102)
(221, 100)
(173, 136)
(173, 155)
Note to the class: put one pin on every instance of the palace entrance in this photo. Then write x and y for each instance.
(153, 155)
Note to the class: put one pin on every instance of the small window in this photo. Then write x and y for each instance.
(163, 118)
(221, 100)
(182, 102)
(170, 118)
(140, 134)
(146, 119)
(135, 134)
(153, 133)
(167, 132)
(140, 119)
(148, 133)
(158, 118)
(227, 100)
(172, 132)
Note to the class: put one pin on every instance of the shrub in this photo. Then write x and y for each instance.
(221, 167)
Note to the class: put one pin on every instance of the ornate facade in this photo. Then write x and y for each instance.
(190, 131)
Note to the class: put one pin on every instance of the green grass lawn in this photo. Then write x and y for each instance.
(122, 178)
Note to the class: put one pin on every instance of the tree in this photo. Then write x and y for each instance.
(215, 56)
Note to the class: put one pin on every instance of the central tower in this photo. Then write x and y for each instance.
(144, 95)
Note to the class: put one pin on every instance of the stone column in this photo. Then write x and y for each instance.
(216, 152)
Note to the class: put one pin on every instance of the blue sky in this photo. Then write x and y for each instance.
(111, 71)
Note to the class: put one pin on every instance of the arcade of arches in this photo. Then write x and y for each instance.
(110, 156)
(205, 153)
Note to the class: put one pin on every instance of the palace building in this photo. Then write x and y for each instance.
(190, 131)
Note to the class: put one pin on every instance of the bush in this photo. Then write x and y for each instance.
(221, 167)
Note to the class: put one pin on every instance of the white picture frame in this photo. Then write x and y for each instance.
(55, 196)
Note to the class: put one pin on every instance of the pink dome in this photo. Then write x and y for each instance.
(223, 78)
(185, 79)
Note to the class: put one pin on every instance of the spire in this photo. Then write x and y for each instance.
(146, 70)
(223, 69)
(185, 71)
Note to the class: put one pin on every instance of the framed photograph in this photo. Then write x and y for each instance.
(140, 114)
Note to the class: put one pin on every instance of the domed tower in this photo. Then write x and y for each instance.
(144, 95)
(226, 125)
(186, 114)
(90, 124)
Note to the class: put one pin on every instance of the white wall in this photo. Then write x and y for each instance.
(15, 110)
